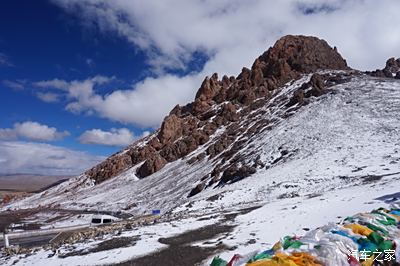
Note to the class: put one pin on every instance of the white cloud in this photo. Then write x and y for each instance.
(39, 158)
(15, 85)
(230, 34)
(144, 105)
(33, 131)
(48, 97)
(54, 83)
(364, 30)
(147, 103)
(114, 137)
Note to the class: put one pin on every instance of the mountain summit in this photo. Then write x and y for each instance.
(217, 103)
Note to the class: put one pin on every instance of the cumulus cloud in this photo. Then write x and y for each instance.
(114, 137)
(40, 158)
(229, 34)
(147, 103)
(143, 105)
(33, 131)
(363, 30)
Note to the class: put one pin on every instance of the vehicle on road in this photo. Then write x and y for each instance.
(102, 219)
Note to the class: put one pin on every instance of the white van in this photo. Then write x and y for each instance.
(102, 219)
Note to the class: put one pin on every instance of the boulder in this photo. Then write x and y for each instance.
(197, 189)
(317, 85)
(234, 173)
(297, 98)
(151, 165)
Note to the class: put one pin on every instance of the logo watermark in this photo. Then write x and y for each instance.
(363, 255)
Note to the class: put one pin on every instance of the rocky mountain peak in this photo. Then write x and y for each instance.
(222, 103)
(290, 57)
(300, 54)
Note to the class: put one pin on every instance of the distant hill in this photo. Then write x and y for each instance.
(28, 182)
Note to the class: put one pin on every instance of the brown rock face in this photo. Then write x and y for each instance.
(300, 54)
(209, 88)
(229, 113)
(171, 129)
(140, 154)
(110, 167)
(155, 143)
(178, 149)
(151, 165)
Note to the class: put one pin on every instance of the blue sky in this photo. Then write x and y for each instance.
(40, 42)
(84, 78)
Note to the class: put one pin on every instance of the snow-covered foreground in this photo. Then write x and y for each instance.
(332, 158)
(256, 230)
(269, 223)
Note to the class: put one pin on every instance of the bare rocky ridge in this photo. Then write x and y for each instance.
(224, 103)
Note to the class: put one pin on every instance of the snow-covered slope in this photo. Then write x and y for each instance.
(300, 136)
(347, 137)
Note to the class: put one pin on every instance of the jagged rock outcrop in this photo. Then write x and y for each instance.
(222, 103)
(171, 129)
(391, 70)
(209, 88)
